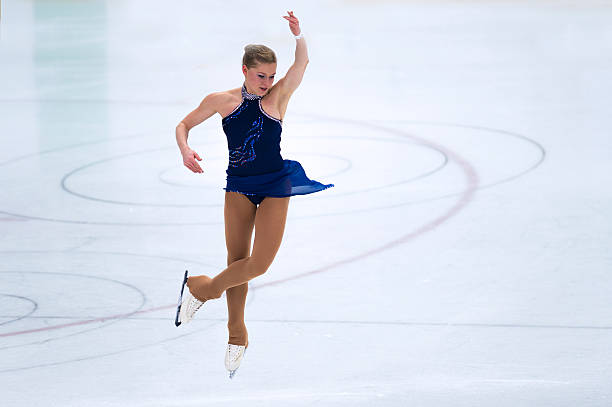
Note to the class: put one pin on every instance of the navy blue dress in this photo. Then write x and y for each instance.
(256, 167)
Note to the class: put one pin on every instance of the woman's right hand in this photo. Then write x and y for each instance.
(189, 159)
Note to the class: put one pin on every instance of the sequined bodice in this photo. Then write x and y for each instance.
(253, 138)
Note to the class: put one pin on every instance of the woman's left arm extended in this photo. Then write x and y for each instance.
(294, 75)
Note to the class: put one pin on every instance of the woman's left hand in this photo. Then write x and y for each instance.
(294, 24)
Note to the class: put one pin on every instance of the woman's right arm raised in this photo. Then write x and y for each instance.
(207, 108)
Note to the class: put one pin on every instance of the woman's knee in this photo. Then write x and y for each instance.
(257, 266)
(234, 257)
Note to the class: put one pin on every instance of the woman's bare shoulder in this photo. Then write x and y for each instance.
(227, 94)
(227, 100)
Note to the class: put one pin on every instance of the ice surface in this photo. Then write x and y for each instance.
(462, 258)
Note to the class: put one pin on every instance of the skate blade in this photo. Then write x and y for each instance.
(233, 372)
(177, 322)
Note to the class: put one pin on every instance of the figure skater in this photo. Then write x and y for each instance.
(259, 182)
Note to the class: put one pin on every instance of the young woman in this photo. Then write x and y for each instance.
(259, 182)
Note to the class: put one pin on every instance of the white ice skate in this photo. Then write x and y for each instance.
(233, 357)
(188, 305)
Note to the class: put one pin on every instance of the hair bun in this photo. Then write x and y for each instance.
(255, 54)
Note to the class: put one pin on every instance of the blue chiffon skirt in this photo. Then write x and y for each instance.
(289, 180)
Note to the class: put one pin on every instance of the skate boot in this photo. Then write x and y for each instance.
(188, 305)
(233, 357)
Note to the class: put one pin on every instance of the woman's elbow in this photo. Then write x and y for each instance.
(181, 126)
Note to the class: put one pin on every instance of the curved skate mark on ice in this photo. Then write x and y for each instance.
(77, 323)
(471, 178)
(120, 316)
(539, 146)
(465, 198)
(348, 165)
(71, 146)
(67, 189)
(27, 314)
(318, 118)
(250, 299)
(114, 319)
(65, 179)
(100, 355)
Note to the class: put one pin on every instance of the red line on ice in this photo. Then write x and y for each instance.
(466, 196)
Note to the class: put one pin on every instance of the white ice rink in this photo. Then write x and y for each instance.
(462, 259)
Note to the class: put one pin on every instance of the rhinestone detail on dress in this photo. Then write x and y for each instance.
(247, 95)
(246, 152)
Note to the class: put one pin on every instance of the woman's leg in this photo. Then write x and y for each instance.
(270, 221)
(239, 221)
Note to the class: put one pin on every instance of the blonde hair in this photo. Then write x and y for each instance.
(255, 54)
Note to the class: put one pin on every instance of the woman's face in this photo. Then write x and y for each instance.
(260, 78)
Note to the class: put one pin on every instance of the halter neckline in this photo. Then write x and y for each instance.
(247, 95)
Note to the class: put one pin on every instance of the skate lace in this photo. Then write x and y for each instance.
(193, 305)
(234, 352)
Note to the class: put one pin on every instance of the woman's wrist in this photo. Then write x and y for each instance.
(297, 37)
(184, 148)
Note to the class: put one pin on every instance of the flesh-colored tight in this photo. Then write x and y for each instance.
(241, 216)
